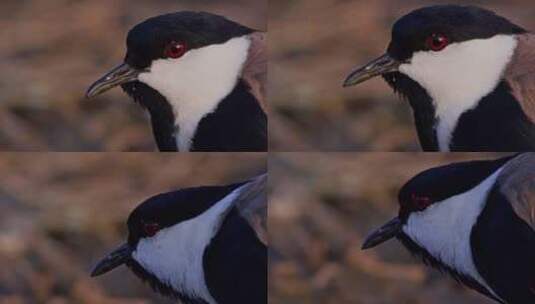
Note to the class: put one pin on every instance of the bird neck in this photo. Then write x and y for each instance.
(458, 77)
(238, 123)
(497, 123)
(196, 83)
(444, 229)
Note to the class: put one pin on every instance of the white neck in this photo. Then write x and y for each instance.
(457, 77)
(175, 254)
(444, 229)
(195, 83)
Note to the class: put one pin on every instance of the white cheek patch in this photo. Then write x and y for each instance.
(457, 77)
(195, 83)
(444, 229)
(175, 254)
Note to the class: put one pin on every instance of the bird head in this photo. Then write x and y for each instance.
(167, 236)
(439, 208)
(456, 53)
(424, 195)
(179, 67)
(171, 49)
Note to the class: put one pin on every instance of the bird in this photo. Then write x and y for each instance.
(201, 77)
(474, 220)
(202, 245)
(468, 75)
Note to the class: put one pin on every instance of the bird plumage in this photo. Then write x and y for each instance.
(204, 245)
(517, 184)
(202, 79)
(473, 220)
(520, 74)
(466, 73)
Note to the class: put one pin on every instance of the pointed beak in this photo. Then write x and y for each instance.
(117, 76)
(383, 234)
(113, 260)
(382, 65)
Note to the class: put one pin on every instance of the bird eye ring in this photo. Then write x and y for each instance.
(437, 42)
(420, 202)
(151, 229)
(175, 49)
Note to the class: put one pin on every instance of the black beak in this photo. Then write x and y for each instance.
(117, 76)
(379, 66)
(383, 234)
(113, 260)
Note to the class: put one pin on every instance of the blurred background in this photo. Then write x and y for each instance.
(322, 206)
(60, 213)
(52, 50)
(314, 44)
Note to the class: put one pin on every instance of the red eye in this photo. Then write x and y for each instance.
(175, 50)
(437, 42)
(151, 229)
(420, 202)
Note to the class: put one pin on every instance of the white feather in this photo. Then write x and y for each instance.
(195, 83)
(444, 228)
(457, 77)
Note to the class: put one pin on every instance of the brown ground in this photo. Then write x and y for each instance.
(323, 205)
(52, 50)
(61, 213)
(315, 44)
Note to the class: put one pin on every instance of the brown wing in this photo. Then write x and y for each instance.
(517, 183)
(520, 73)
(252, 204)
(255, 68)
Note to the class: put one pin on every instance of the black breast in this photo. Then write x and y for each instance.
(235, 263)
(237, 124)
(497, 124)
(503, 247)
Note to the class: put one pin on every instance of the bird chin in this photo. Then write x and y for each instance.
(420, 252)
(140, 93)
(402, 84)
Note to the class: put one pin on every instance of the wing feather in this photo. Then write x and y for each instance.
(255, 68)
(520, 74)
(252, 205)
(517, 183)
